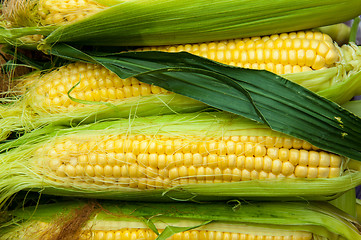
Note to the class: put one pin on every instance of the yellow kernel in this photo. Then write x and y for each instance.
(54, 164)
(89, 171)
(259, 150)
(301, 171)
(303, 161)
(200, 173)
(323, 172)
(273, 153)
(267, 164)
(258, 163)
(99, 171)
(117, 171)
(254, 175)
(287, 168)
(236, 175)
(314, 159)
(70, 170)
(79, 170)
(334, 172)
(297, 143)
(249, 149)
(174, 173)
(276, 166)
(246, 175)
(284, 154)
(294, 156)
(312, 172)
(108, 171)
(325, 159)
(335, 160)
(331, 57)
(270, 142)
(241, 162)
(249, 163)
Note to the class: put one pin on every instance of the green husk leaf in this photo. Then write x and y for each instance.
(19, 172)
(319, 218)
(346, 202)
(353, 106)
(258, 95)
(154, 22)
(354, 29)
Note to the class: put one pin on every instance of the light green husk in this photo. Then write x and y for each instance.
(319, 218)
(353, 106)
(152, 22)
(19, 173)
(346, 202)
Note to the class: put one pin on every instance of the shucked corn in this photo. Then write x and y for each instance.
(280, 53)
(140, 161)
(96, 83)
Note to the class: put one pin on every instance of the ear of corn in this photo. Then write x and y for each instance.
(209, 155)
(272, 221)
(112, 22)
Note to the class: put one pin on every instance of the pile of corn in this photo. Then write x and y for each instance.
(86, 153)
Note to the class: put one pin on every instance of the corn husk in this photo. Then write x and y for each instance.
(53, 220)
(154, 22)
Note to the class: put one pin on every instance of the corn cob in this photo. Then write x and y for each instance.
(98, 22)
(160, 153)
(96, 84)
(279, 53)
(108, 221)
(148, 162)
